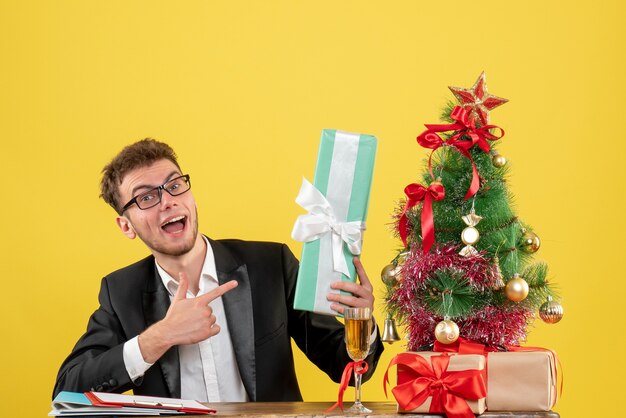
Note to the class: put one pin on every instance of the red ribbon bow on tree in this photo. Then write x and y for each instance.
(465, 126)
(358, 367)
(415, 194)
(449, 390)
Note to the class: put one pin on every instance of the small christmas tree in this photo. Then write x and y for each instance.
(466, 268)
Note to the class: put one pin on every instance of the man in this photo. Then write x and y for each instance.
(201, 319)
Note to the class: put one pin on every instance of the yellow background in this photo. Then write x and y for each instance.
(242, 90)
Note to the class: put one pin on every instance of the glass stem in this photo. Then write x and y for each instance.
(357, 387)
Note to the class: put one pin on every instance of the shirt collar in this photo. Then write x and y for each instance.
(209, 272)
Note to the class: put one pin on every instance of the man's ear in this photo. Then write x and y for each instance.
(126, 227)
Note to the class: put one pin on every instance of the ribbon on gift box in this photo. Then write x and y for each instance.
(463, 346)
(321, 220)
(464, 127)
(449, 390)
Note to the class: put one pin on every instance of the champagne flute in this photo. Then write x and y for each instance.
(358, 327)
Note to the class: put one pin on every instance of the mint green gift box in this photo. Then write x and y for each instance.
(343, 175)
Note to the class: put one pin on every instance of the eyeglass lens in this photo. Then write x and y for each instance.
(152, 197)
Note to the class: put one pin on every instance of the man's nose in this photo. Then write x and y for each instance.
(167, 200)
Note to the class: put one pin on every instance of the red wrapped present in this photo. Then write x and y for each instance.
(440, 383)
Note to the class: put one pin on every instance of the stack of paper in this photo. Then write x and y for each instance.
(102, 403)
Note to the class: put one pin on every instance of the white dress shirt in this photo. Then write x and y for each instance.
(208, 369)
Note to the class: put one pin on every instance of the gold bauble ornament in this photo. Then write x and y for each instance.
(530, 242)
(389, 275)
(551, 311)
(516, 289)
(447, 331)
(498, 160)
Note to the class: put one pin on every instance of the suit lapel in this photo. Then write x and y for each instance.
(238, 308)
(156, 302)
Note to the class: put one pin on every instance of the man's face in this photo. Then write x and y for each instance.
(169, 228)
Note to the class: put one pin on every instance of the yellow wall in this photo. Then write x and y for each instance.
(242, 91)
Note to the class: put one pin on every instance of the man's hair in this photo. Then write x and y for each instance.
(140, 154)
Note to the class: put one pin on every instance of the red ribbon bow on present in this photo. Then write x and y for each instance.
(463, 346)
(415, 194)
(449, 390)
(358, 367)
(465, 126)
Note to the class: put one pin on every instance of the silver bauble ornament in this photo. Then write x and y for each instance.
(551, 311)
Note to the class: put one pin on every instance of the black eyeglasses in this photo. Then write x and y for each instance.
(151, 198)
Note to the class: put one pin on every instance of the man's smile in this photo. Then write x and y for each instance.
(174, 224)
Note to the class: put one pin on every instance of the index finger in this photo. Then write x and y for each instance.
(360, 271)
(183, 285)
(218, 291)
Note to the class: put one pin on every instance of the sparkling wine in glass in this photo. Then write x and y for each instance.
(358, 327)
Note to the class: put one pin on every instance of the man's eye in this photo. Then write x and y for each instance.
(176, 185)
(147, 197)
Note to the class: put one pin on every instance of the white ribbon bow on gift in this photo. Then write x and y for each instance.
(321, 220)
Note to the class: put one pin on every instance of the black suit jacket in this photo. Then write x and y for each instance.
(260, 317)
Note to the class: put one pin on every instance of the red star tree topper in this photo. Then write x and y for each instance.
(477, 100)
